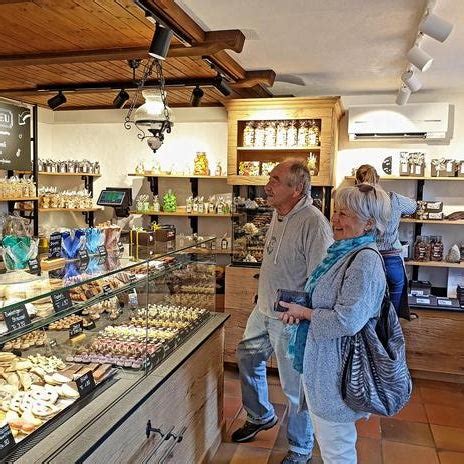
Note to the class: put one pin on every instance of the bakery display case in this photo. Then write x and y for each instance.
(91, 328)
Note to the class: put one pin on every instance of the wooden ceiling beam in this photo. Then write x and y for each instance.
(263, 77)
(215, 41)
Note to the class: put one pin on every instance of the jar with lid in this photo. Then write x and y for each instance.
(270, 134)
(249, 135)
(422, 249)
(302, 137)
(259, 134)
(313, 134)
(292, 134)
(436, 248)
(281, 136)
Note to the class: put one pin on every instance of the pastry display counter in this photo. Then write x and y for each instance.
(103, 329)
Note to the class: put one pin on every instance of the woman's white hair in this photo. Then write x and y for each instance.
(367, 202)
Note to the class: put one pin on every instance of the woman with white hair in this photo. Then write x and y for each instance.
(346, 290)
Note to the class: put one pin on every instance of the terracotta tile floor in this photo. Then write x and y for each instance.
(430, 429)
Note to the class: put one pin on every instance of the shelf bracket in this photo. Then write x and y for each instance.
(194, 224)
(194, 186)
(153, 185)
(89, 218)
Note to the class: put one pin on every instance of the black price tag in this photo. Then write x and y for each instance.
(54, 245)
(52, 343)
(61, 301)
(7, 441)
(102, 251)
(85, 383)
(132, 278)
(76, 329)
(17, 318)
(121, 246)
(107, 290)
(83, 255)
(34, 266)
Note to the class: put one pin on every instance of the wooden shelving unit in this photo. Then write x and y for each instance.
(414, 178)
(69, 210)
(176, 176)
(181, 211)
(433, 221)
(433, 264)
(282, 149)
(19, 199)
(68, 174)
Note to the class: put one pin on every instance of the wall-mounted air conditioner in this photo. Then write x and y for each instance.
(415, 121)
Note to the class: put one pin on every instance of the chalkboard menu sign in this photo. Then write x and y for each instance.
(7, 441)
(15, 137)
(85, 383)
(76, 329)
(61, 301)
(16, 318)
(54, 245)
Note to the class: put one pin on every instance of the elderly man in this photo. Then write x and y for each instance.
(296, 242)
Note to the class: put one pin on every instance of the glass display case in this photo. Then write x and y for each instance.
(89, 324)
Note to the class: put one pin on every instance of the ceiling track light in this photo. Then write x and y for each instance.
(120, 99)
(57, 101)
(403, 95)
(223, 87)
(160, 44)
(435, 27)
(419, 58)
(411, 80)
(197, 95)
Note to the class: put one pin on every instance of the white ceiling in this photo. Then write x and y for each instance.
(337, 47)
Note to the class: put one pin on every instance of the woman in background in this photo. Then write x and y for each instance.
(389, 244)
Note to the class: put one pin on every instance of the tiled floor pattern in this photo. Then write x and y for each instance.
(429, 430)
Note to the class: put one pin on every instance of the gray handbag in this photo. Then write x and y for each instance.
(375, 375)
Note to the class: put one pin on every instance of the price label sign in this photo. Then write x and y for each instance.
(83, 255)
(85, 384)
(121, 246)
(7, 441)
(102, 251)
(34, 266)
(107, 290)
(54, 245)
(76, 329)
(133, 299)
(61, 301)
(17, 318)
(132, 278)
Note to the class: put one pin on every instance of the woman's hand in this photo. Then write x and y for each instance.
(295, 313)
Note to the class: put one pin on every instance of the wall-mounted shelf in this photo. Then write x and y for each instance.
(19, 199)
(263, 180)
(68, 174)
(271, 149)
(433, 221)
(69, 210)
(413, 178)
(176, 176)
(433, 264)
(181, 211)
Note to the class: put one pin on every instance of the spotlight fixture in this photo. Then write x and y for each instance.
(435, 27)
(403, 95)
(160, 44)
(411, 80)
(223, 87)
(121, 99)
(419, 58)
(197, 95)
(57, 100)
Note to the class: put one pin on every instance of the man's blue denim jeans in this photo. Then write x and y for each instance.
(263, 336)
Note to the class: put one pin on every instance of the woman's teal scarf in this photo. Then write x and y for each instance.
(335, 252)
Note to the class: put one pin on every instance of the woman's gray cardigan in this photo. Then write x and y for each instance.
(344, 299)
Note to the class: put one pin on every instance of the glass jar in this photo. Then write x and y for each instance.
(436, 248)
(292, 134)
(422, 249)
(270, 133)
(259, 135)
(313, 134)
(281, 136)
(249, 135)
(302, 137)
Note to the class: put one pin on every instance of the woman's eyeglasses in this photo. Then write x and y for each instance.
(366, 188)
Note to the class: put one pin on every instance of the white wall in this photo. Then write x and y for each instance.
(352, 154)
(100, 135)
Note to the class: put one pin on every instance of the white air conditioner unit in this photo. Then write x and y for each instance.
(415, 121)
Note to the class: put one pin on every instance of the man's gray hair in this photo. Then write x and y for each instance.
(366, 202)
(298, 175)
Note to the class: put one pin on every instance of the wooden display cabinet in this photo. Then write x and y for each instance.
(322, 112)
